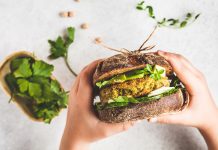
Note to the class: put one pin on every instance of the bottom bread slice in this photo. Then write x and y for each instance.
(145, 110)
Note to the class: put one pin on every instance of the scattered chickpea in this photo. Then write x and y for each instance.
(66, 14)
(71, 14)
(84, 26)
(98, 40)
(63, 14)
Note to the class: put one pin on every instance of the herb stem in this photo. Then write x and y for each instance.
(68, 65)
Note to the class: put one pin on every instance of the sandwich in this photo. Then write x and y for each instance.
(137, 86)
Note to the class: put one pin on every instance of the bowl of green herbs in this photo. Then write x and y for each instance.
(32, 87)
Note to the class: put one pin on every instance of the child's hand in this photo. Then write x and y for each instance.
(82, 126)
(202, 111)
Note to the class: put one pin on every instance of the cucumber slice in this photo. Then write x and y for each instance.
(160, 91)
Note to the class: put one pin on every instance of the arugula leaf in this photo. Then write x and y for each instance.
(59, 48)
(40, 68)
(23, 85)
(34, 89)
(23, 70)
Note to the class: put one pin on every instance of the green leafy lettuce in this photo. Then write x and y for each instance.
(31, 80)
(150, 70)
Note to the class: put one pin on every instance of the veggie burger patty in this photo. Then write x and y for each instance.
(135, 88)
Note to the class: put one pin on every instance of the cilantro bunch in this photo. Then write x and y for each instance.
(31, 81)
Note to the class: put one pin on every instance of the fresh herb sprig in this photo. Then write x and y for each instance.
(176, 23)
(59, 47)
(31, 80)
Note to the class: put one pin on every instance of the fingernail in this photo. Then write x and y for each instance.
(153, 120)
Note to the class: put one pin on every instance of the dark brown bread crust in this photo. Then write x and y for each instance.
(122, 63)
(168, 104)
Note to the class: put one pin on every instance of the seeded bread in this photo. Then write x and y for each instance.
(121, 63)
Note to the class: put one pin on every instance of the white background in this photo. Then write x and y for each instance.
(27, 25)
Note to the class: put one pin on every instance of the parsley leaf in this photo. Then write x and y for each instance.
(70, 37)
(23, 85)
(34, 89)
(59, 48)
(40, 80)
(23, 70)
(55, 86)
(11, 81)
(41, 68)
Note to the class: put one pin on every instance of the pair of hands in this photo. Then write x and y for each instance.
(83, 127)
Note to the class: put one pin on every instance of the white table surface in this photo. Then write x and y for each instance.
(27, 25)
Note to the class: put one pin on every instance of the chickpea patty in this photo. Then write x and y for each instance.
(135, 88)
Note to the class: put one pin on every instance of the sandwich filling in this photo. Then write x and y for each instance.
(142, 85)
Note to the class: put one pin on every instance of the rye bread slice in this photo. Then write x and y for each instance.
(121, 63)
(146, 110)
